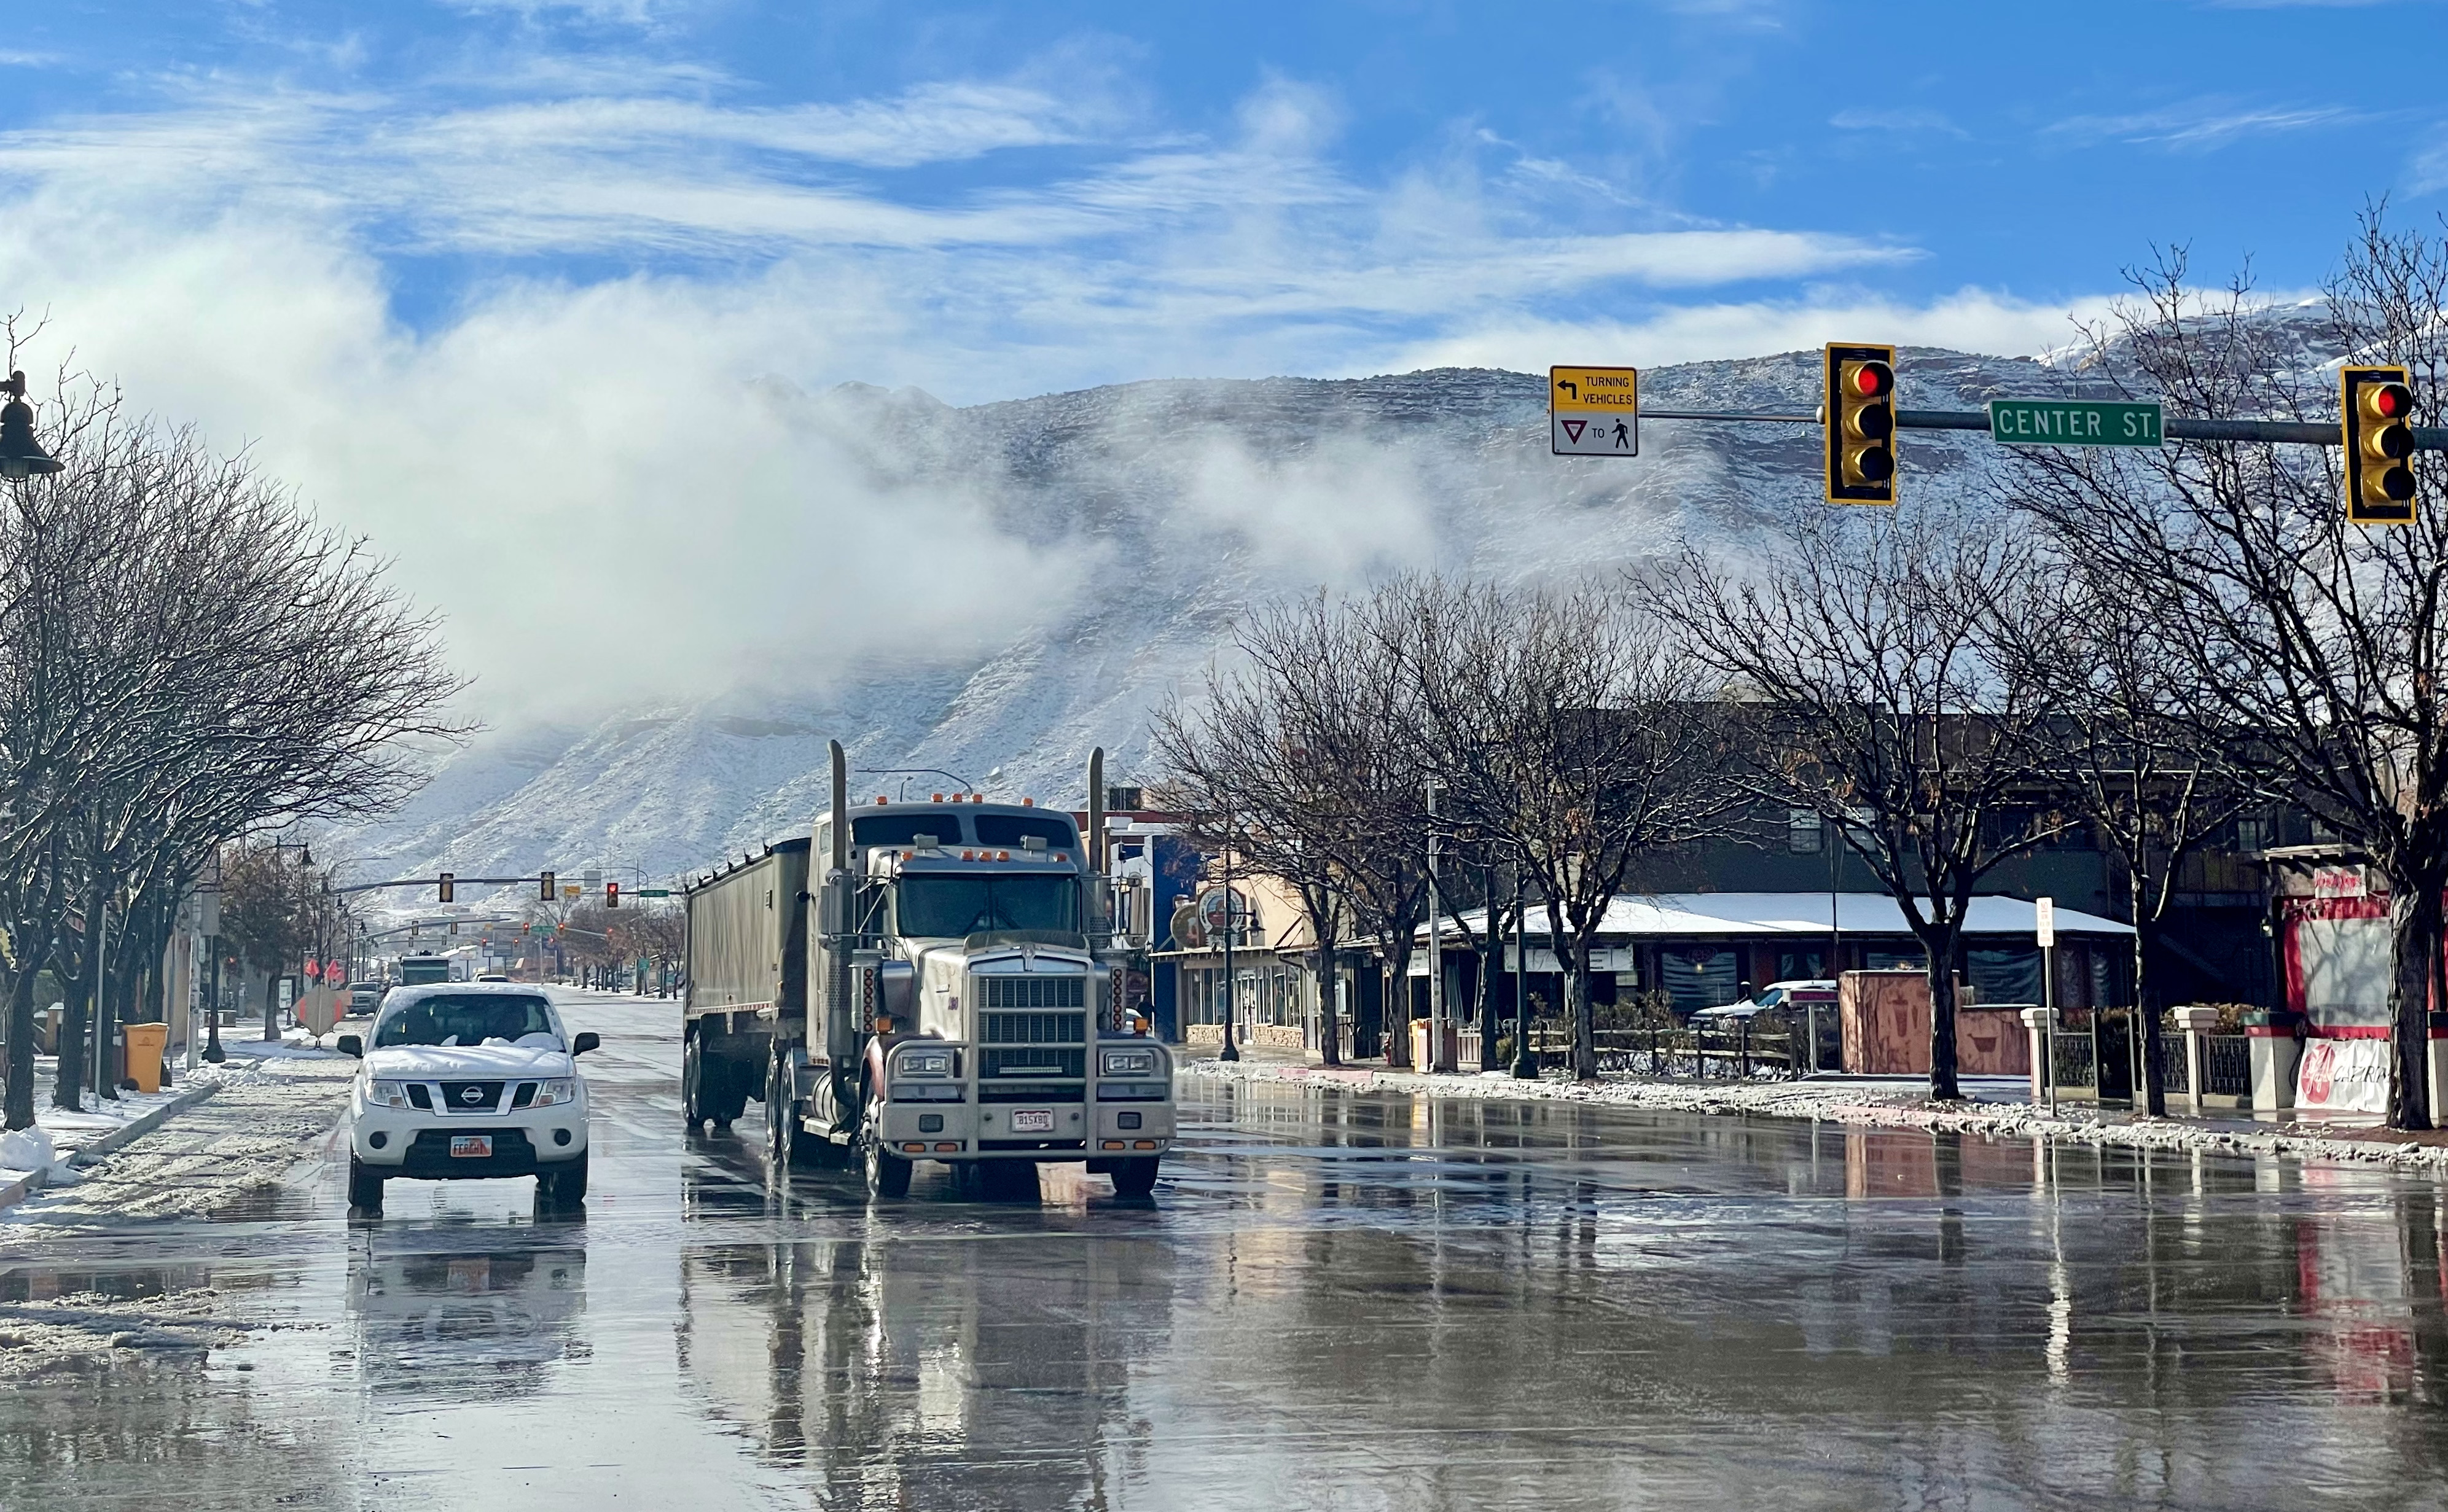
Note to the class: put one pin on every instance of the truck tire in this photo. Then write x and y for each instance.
(1136, 1177)
(781, 1117)
(888, 1174)
(727, 1095)
(365, 1186)
(693, 1102)
(566, 1184)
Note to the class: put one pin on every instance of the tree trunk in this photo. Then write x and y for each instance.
(18, 1112)
(2414, 918)
(1585, 1027)
(2146, 1013)
(1329, 1033)
(1397, 1010)
(1491, 951)
(67, 1089)
(1939, 941)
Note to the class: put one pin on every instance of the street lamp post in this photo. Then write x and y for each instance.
(1229, 1051)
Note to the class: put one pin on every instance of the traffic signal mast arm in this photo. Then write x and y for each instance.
(2426, 438)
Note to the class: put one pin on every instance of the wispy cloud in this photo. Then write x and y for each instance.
(1908, 121)
(2204, 125)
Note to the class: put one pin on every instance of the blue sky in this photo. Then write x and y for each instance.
(1017, 197)
(501, 282)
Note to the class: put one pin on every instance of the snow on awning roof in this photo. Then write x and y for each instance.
(1723, 914)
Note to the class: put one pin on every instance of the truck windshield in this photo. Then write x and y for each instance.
(955, 907)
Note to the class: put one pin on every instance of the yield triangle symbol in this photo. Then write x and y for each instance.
(1573, 429)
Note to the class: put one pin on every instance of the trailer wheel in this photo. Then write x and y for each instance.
(693, 1098)
(888, 1175)
(1135, 1178)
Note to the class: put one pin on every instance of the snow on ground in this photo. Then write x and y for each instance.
(1894, 1105)
(271, 1098)
(87, 1333)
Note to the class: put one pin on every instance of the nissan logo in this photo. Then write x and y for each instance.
(472, 1095)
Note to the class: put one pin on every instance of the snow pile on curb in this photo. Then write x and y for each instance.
(1862, 1107)
(24, 1151)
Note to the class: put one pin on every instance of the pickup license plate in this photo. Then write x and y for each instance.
(481, 1145)
(1032, 1120)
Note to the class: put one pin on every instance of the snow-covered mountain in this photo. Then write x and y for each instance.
(1162, 509)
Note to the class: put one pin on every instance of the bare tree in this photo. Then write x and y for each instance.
(1877, 649)
(1570, 723)
(2323, 642)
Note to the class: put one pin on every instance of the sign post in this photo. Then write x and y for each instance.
(1593, 412)
(2044, 925)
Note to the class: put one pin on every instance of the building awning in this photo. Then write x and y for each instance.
(1719, 914)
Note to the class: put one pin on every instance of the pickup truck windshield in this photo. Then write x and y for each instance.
(467, 1018)
(954, 907)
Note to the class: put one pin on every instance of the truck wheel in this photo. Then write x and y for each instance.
(888, 1175)
(1135, 1178)
(728, 1098)
(365, 1186)
(566, 1183)
(693, 1098)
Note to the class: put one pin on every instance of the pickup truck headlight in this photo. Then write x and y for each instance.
(560, 1090)
(387, 1094)
(1126, 1063)
(923, 1062)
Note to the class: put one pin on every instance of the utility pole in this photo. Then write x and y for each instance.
(1232, 995)
(1526, 1061)
(1440, 1054)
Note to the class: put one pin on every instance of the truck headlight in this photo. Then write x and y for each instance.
(923, 1062)
(560, 1090)
(387, 1094)
(1126, 1063)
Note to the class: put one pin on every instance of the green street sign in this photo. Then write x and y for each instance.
(2074, 423)
(653, 893)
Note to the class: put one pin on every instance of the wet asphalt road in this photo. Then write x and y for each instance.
(1336, 1299)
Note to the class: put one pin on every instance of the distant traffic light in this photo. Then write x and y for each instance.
(445, 886)
(2377, 409)
(611, 894)
(544, 891)
(1859, 413)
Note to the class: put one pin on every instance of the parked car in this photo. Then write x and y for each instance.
(1794, 995)
(469, 1079)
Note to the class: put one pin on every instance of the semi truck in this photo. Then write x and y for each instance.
(930, 981)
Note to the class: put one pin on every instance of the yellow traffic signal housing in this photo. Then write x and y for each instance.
(611, 894)
(1859, 414)
(2375, 407)
(445, 884)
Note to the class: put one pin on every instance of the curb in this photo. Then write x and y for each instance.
(2021, 1122)
(134, 1129)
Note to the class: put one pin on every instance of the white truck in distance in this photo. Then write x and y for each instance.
(941, 991)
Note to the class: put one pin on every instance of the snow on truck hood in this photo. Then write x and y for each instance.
(537, 1055)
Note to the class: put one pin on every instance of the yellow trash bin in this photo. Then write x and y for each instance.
(145, 1043)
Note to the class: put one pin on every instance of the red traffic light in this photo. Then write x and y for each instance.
(2389, 401)
(1871, 380)
(611, 894)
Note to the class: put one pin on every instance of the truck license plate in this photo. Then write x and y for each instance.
(481, 1145)
(1032, 1120)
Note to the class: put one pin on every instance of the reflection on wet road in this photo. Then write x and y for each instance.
(1336, 1299)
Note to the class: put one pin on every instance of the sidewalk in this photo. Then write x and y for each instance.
(63, 1142)
(1997, 1110)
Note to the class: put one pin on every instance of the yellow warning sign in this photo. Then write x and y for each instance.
(1593, 412)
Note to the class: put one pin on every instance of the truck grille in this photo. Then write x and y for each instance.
(1033, 1043)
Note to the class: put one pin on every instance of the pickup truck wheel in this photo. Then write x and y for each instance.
(364, 1185)
(1135, 1178)
(888, 1175)
(567, 1184)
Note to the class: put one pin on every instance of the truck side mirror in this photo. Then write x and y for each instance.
(351, 1045)
(587, 1039)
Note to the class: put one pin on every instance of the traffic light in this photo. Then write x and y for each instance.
(611, 894)
(1860, 418)
(2377, 410)
(444, 886)
(544, 892)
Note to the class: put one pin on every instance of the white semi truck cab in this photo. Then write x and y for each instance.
(958, 1001)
